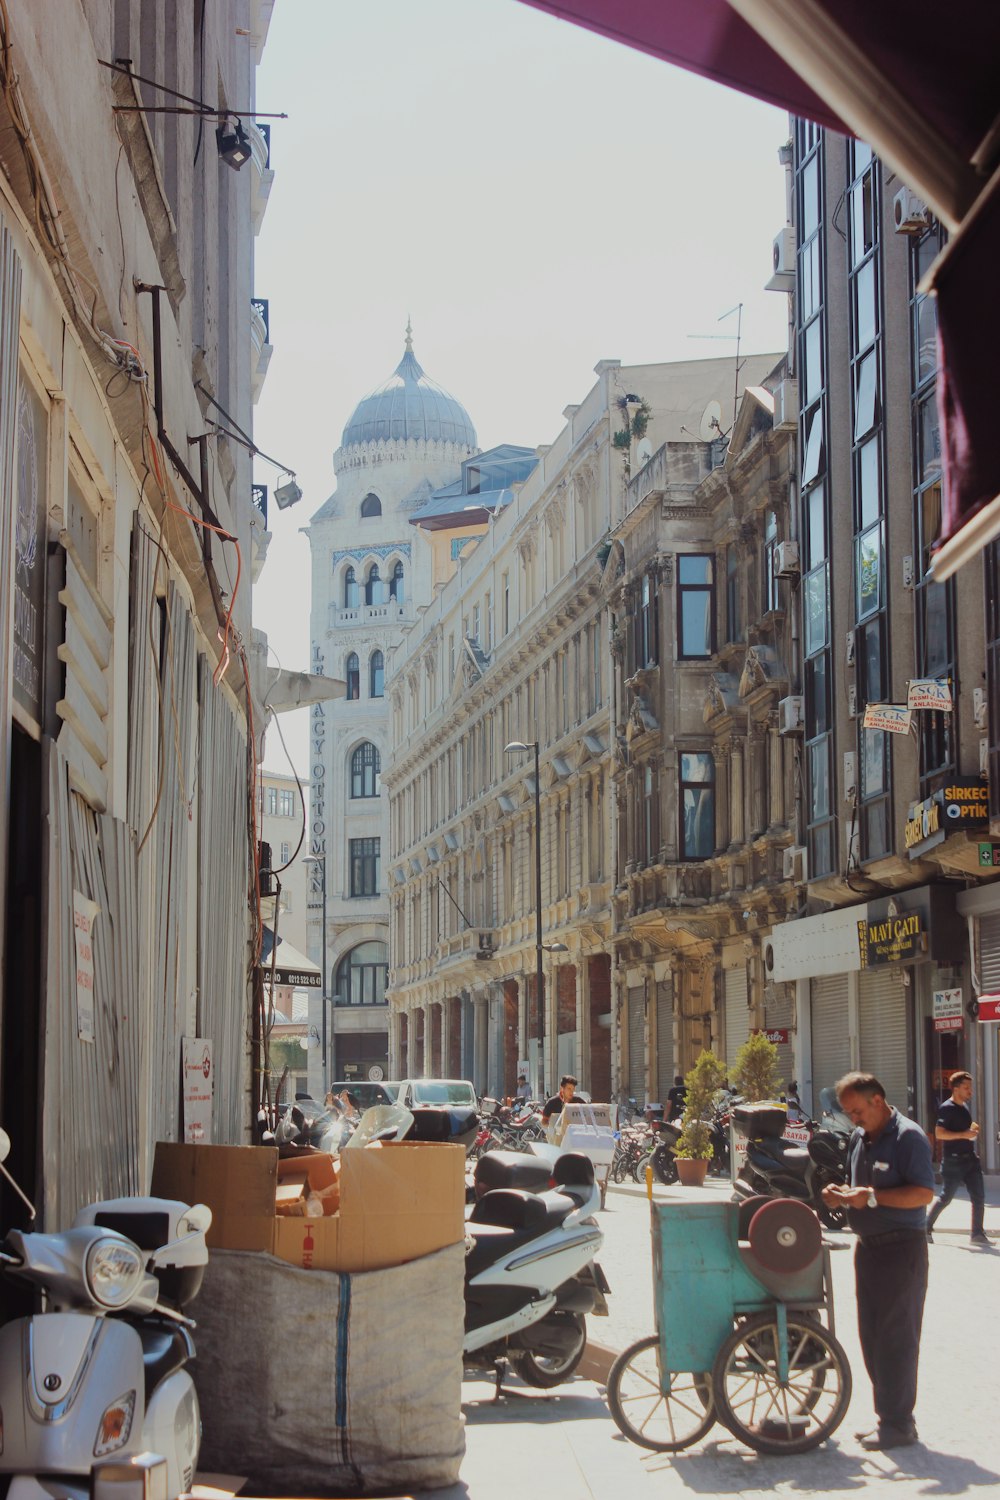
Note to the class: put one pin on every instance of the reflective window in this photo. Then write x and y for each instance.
(351, 593)
(352, 673)
(697, 805)
(695, 605)
(366, 863)
(366, 771)
(376, 675)
(361, 975)
(371, 505)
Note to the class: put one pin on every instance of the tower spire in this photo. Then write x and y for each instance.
(409, 335)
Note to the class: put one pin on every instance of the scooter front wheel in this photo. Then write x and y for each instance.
(545, 1371)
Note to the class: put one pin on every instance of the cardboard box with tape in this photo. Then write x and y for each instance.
(397, 1201)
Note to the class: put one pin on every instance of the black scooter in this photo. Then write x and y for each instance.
(776, 1168)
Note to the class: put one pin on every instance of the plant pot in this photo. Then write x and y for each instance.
(691, 1171)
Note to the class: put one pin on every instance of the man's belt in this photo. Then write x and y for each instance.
(892, 1237)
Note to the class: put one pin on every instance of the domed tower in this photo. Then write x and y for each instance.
(370, 570)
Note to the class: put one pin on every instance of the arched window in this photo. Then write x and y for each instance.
(351, 600)
(366, 771)
(374, 586)
(376, 675)
(371, 505)
(396, 584)
(361, 975)
(353, 673)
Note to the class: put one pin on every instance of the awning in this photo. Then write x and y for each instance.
(919, 82)
(292, 967)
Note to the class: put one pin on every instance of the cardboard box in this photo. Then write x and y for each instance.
(398, 1201)
(236, 1182)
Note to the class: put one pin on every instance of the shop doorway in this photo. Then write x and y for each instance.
(944, 1052)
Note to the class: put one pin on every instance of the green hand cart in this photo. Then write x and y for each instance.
(744, 1330)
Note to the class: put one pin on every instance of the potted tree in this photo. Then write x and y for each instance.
(755, 1073)
(694, 1146)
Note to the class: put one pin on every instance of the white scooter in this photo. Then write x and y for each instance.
(530, 1272)
(81, 1391)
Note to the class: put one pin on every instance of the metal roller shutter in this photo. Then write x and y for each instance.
(883, 1032)
(737, 1012)
(779, 1014)
(636, 1070)
(831, 1043)
(664, 1039)
(989, 954)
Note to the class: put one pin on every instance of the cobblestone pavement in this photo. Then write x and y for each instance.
(566, 1441)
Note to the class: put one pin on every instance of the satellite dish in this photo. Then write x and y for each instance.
(710, 427)
(644, 452)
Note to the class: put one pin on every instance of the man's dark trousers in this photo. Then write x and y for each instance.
(956, 1171)
(892, 1284)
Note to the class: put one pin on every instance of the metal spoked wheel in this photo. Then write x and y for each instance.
(663, 1413)
(774, 1414)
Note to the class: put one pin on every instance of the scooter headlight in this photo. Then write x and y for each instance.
(115, 1426)
(114, 1272)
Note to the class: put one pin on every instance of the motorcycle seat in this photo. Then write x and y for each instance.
(164, 1350)
(782, 1151)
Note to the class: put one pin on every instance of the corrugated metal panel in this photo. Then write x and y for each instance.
(90, 1090)
(737, 1011)
(664, 1039)
(883, 1032)
(10, 317)
(636, 1072)
(85, 653)
(223, 953)
(831, 1043)
(779, 1015)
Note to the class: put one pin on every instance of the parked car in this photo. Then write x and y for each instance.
(366, 1093)
(454, 1091)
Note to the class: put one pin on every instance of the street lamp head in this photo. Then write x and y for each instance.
(515, 745)
(555, 948)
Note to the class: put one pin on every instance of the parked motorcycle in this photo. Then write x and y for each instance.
(100, 1375)
(777, 1168)
(530, 1272)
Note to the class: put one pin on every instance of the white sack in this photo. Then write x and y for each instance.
(314, 1382)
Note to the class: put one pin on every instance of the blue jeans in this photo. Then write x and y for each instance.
(958, 1171)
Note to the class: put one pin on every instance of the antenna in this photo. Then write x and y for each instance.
(738, 310)
(710, 428)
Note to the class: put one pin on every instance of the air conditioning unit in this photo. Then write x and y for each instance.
(786, 404)
(791, 715)
(909, 213)
(783, 262)
(786, 560)
(793, 864)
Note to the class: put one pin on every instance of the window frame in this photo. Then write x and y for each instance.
(686, 589)
(365, 865)
(365, 772)
(688, 783)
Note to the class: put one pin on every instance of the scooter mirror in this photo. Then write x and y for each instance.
(4, 1145)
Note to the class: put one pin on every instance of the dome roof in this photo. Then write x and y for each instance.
(409, 405)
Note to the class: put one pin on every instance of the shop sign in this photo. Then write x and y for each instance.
(989, 856)
(778, 1035)
(929, 692)
(85, 914)
(966, 803)
(800, 1134)
(893, 938)
(197, 1068)
(988, 1008)
(923, 826)
(948, 1023)
(891, 718)
(947, 1003)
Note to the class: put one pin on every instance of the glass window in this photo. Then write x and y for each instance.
(928, 439)
(353, 676)
(697, 788)
(816, 525)
(862, 218)
(351, 597)
(873, 779)
(695, 605)
(865, 396)
(865, 307)
(869, 571)
(816, 611)
(371, 505)
(871, 664)
(286, 804)
(734, 626)
(374, 587)
(366, 861)
(366, 771)
(396, 584)
(271, 800)
(810, 197)
(819, 780)
(812, 348)
(361, 975)
(376, 675)
(770, 589)
(812, 459)
(817, 695)
(925, 355)
(869, 495)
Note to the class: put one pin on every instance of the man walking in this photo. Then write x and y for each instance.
(959, 1132)
(891, 1184)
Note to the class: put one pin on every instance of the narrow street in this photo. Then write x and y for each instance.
(568, 1440)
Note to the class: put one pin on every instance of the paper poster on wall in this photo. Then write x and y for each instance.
(198, 1083)
(85, 914)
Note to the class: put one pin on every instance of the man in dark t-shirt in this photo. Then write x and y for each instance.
(553, 1106)
(958, 1132)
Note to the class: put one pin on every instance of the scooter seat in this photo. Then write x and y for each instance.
(164, 1350)
(489, 1243)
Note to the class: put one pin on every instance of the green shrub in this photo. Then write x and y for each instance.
(755, 1072)
(702, 1082)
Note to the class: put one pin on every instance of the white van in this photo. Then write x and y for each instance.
(457, 1092)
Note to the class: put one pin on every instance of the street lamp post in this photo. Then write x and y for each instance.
(519, 747)
(320, 861)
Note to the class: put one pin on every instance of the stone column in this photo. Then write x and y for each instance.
(777, 809)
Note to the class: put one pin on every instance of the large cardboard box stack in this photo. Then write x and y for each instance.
(398, 1201)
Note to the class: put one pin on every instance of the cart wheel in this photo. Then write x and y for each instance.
(664, 1420)
(775, 1416)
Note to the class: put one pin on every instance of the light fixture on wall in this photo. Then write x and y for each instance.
(233, 143)
(287, 494)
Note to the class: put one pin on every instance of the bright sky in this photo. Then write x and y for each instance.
(535, 197)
